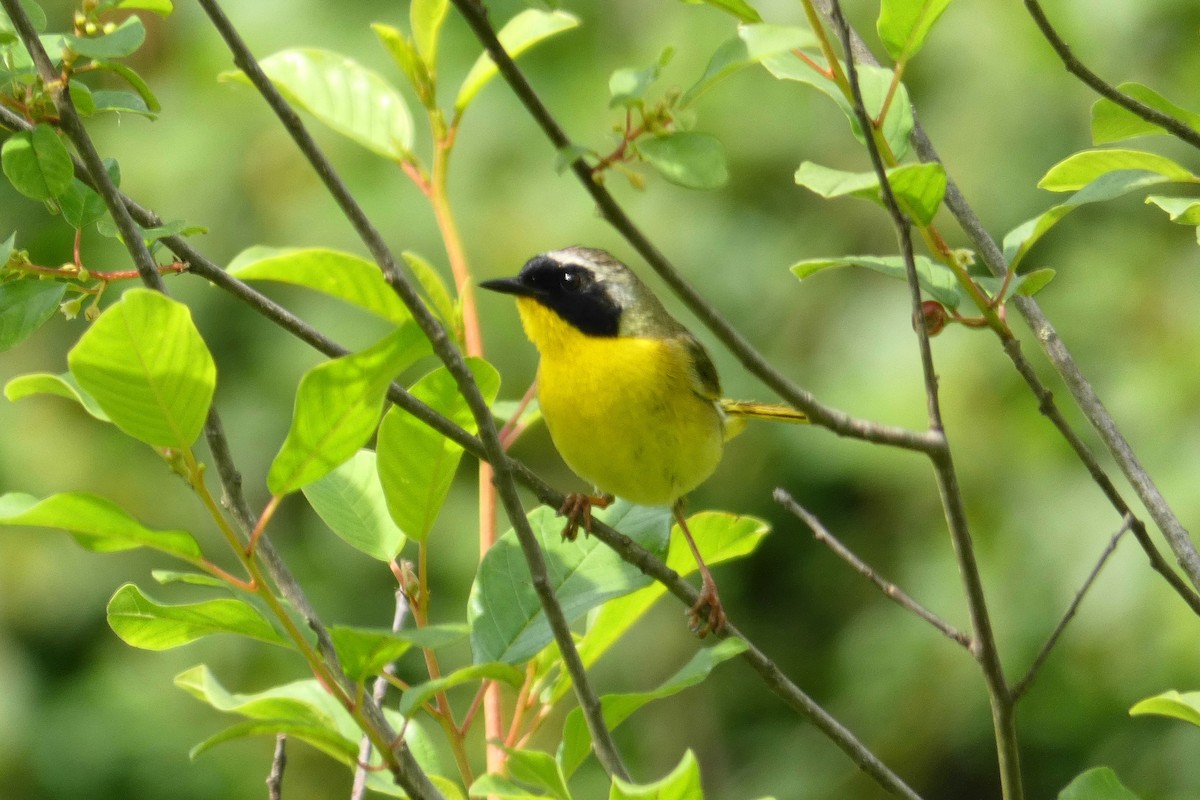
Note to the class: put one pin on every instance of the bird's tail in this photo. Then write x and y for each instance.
(738, 411)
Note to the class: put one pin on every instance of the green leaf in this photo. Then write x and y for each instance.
(577, 740)
(81, 97)
(720, 536)
(537, 769)
(300, 706)
(522, 32)
(687, 158)
(37, 17)
(752, 45)
(63, 385)
(493, 785)
(351, 99)
(1030, 283)
(738, 8)
(145, 623)
(1099, 783)
(1078, 170)
(160, 7)
(1112, 123)
(627, 86)
(165, 576)
(875, 83)
(416, 463)
(403, 51)
(350, 501)
(123, 41)
(506, 617)
(934, 277)
(98, 524)
(1180, 210)
(119, 100)
(1171, 704)
(426, 18)
(149, 101)
(1020, 239)
(683, 782)
(338, 405)
(918, 188)
(364, 652)
(436, 291)
(146, 365)
(343, 276)
(37, 163)
(418, 695)
(904, 24)
(80, 205)
(327, 741)
(25, 306)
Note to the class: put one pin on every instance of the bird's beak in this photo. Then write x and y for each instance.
(508, 286)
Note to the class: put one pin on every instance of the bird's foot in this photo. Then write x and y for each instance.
(577, 508)
(706, 615)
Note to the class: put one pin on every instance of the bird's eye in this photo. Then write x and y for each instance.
(571, 281)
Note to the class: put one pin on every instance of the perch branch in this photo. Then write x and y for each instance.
(449, 354)
(986, 650)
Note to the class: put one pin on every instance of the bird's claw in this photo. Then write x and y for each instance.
(577, 508)
(707, 614)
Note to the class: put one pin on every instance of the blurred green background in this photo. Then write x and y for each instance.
(83, 715)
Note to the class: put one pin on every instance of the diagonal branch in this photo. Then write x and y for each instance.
(449, 354)
(407, 772)
(889, 589)
(1081, 389)
(986, 649)
(1101, 87)
(1022, 686)
(835, 420)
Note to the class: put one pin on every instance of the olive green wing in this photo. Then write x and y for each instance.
(705, 381)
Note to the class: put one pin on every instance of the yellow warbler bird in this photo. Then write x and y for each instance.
(630, 396)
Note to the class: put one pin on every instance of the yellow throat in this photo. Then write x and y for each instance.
(623, 411)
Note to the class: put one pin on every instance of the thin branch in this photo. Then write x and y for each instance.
(835, 420)
(444, 348)
(278, 764)
(1081, 390)
(986, 650)
(378, 690)
(625, 547)
(889, 589)
(1172, 125)
(1022, 686)
(72, 126)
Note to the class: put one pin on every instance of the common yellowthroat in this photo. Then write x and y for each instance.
(630, 396)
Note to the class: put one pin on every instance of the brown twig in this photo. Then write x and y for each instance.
(834, 419)
(1022, 686)
(1175, 127)
(986, 649)
(379, 689)
(889, 589)
(448, 353)
(278, 764)
(1081, 389)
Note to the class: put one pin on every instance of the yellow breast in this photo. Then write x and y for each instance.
(622, 411)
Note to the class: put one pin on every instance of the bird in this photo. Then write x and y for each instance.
(631, 398)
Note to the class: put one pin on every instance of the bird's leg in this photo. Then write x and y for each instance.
(577, 508)
(706, 615)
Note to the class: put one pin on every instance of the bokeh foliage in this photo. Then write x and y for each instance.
(1001, 112)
